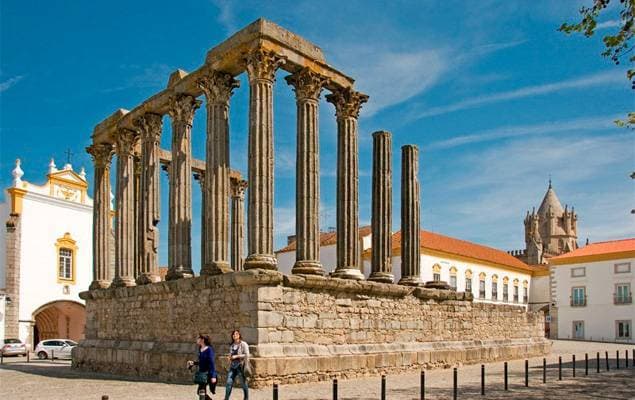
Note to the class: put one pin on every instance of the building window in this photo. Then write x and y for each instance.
(468, 284)
(578, 330)
(481, 288)
(622, 268)
(623, 329)
(453, 281)
(525, 296)
(578, 272)
(66, 264)
(66, 250)
(623, 294)
(494, 291)
(505, 292)
(515, 293)
(578, 296)
(436, 277)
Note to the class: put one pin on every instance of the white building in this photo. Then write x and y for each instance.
(591, 290)
(491, 275)
(45, 256)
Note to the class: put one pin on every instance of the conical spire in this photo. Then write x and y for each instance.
(550, 201)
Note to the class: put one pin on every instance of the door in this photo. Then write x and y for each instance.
(578, 329)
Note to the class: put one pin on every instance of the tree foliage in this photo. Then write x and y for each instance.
(617, 44)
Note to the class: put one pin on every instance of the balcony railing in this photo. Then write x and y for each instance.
(621, 299)
(578, 301)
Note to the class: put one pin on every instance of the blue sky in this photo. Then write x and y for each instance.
(496, 99)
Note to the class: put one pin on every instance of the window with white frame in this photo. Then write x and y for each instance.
(436, 277)
(578, 272)
(515, 293)
(622, 268)
(505, 292)
(623, 329)
(453, 281)
(468, 284)
(494, 290)
(525, 295)
(481, 288)
(578, 296)
(623, 293)
(65, 264)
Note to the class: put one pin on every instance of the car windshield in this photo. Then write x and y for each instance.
(12, 341)
(71, 343)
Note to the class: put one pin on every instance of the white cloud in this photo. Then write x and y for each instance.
(152, 76)
(602, 78)
(226, 16)
(578, 124)
(10, 82)
(608, 24)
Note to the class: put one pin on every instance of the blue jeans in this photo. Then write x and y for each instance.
(231, 376)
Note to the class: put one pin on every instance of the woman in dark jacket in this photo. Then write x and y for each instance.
(205, 363)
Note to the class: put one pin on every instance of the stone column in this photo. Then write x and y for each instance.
(410, 206)
(347, 106)
(200, 177)
(125, 222)
(238, 223)
(181, 111)
(150, 126)
(102, 156)
(261, 68)
(308, 86)
(381, 219)
(218, 89)
(137, 217)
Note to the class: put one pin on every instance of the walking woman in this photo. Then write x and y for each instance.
(238, 359)
(205, 364)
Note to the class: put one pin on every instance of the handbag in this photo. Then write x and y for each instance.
(200, 378)
(247, 368)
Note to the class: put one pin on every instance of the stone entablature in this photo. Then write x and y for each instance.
(300, 328)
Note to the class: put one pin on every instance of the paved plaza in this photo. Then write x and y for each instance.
(53, 381)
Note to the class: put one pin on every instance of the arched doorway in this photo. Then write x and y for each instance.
(61, 319)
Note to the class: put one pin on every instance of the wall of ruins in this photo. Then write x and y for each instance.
(300, 328)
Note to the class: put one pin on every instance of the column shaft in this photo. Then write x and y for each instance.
(181, 111)
(102, 156)
(261, 68)
(410, 220)
(347, 106)
(381, 219)
(218, 89)
(307, 86)
(125, 222)
(149, 207)
(237, 224)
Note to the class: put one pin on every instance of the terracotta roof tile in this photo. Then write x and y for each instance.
(609, 247)
(326, 239)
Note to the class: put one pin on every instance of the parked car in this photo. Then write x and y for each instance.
(55, 348)
(13, 347)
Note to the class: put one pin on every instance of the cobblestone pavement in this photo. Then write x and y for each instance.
(44, 379)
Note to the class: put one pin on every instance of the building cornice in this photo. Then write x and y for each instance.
(58, 202)
(592, 258)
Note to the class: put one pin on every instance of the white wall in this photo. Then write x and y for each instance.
(4, 215)
(600, 313)
(327, 258)
(539, 292)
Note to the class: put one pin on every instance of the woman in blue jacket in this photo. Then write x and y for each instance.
(205, 363)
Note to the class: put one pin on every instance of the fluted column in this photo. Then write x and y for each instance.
(218, 89)
(261, 68)
(137, 217)
(308, 86)
(200, 177)
(150, 126)
(347, 106)
(181, 111)
(102, 156)
(238, 223)
(125, 222)
(410, 206)
(381, 219)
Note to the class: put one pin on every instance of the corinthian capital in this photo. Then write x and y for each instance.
(182, 108)
(262, 64)
(347, 102)
(238, 188)
(125, 142)
(101, 153)
(306, 84)
(218, 87)
(150, 126)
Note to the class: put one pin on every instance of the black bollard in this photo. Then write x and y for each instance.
(505, 373)
(626, 357)
(423, 385)
(1, 358)
(334, 388)
(275, 391)
(482, 379)
(526, 373)
(586, 364)
(606, 355)
(617, 359)
(28, 356)
(559, 368)
(456, 384)
(597, 364)
(544, 370)
(573, 366)
(383, 387)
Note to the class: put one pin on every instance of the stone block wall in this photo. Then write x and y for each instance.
(300, 328)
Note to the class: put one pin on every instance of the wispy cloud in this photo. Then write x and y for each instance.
(602, 78)
(608, 24)
(152, 76)
(226, 16)
(578, 124)
(10, 82)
